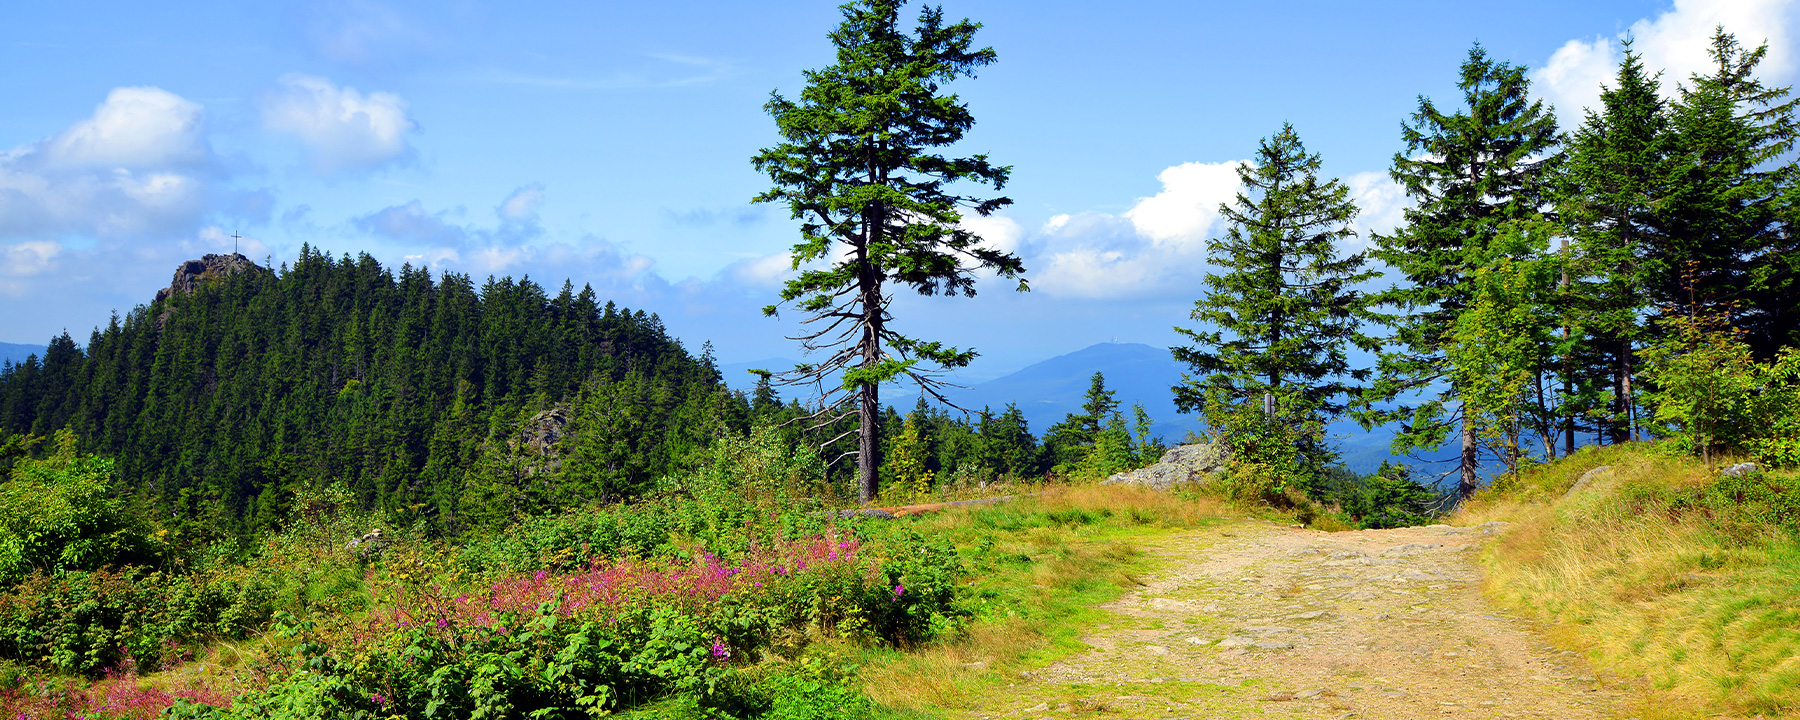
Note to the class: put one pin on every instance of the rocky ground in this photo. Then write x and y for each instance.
(1254, 620)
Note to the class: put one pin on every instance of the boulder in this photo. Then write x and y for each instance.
(1181, 465)
(1739, 470)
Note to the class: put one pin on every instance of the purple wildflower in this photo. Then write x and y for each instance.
(899, 589)
(719, 651)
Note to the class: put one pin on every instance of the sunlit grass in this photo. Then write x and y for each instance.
(1698, 604)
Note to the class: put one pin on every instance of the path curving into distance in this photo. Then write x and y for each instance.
(1260, 620)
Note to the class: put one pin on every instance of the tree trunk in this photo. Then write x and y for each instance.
(1468, 484)
(868, 457)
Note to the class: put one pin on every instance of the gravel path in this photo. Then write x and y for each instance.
(1254, 620)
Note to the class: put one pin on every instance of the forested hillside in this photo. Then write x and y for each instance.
(217, 404)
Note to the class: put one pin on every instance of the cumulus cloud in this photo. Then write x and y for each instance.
(1674, 42)
(768, 271)
(1382, 204)
(139, 166)
(1156, 247)
(996, 231)
(1188, 206)
(341, 128)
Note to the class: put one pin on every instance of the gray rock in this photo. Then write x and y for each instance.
(1409, 549)
(1581, 483)
(1181, 465)
(1739, 470)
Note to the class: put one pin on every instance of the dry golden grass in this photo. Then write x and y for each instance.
(1701, 608)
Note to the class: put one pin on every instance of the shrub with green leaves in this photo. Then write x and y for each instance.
(1713, 395)
(59, 513)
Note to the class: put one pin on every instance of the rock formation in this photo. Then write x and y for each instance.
(1181, 465)
(209, 268)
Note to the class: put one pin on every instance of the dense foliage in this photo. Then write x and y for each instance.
(219, 405)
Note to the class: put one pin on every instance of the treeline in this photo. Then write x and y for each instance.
(218, 405)
(461, 406)
(1543, 286)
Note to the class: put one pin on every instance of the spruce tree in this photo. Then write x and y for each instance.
(1610, 199)
(857, 166)
(1278, 322)
(1729, 247)
(1470, 174)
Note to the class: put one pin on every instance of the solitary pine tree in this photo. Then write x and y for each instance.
(1471, 174)
(1278, 323)
(857, 167)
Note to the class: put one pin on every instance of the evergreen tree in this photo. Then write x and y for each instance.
(1280, 319)
(857, 167)
(1470, 174)
(1612, 189)
(1730, 243)
(1007, 446)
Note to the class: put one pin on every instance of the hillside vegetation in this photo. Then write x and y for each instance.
(1672, 575)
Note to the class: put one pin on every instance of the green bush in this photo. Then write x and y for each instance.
(90, 622)
(1711, 394)
(58, 513)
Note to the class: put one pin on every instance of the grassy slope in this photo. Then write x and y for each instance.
(1660, 572)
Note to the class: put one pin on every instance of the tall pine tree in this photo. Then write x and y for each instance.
(1613, 186)
(1470, 174)
(1729, 247)
(857, 166)
(1279, 322)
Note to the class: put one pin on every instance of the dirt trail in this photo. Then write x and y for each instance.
(1254, 620)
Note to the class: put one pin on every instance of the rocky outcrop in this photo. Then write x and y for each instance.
(195, 273)
(1181, 465)
(539, 441)
(209, 268)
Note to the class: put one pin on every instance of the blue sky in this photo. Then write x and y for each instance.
(609, 143)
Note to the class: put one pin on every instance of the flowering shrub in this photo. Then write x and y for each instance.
(118, 696)
(611, 634)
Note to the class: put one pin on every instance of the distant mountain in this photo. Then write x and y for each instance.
(1049, 390)
(16, 353)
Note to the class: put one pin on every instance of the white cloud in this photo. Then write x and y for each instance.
(768, 271)
(1156, 248)
(1104, 256)
(139, 166)
(1675, 42)
(1188, 206)
(341, 128)
(27, 258)
(522, 205)
(136, 128)
(996, 231)
(1382, 204)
